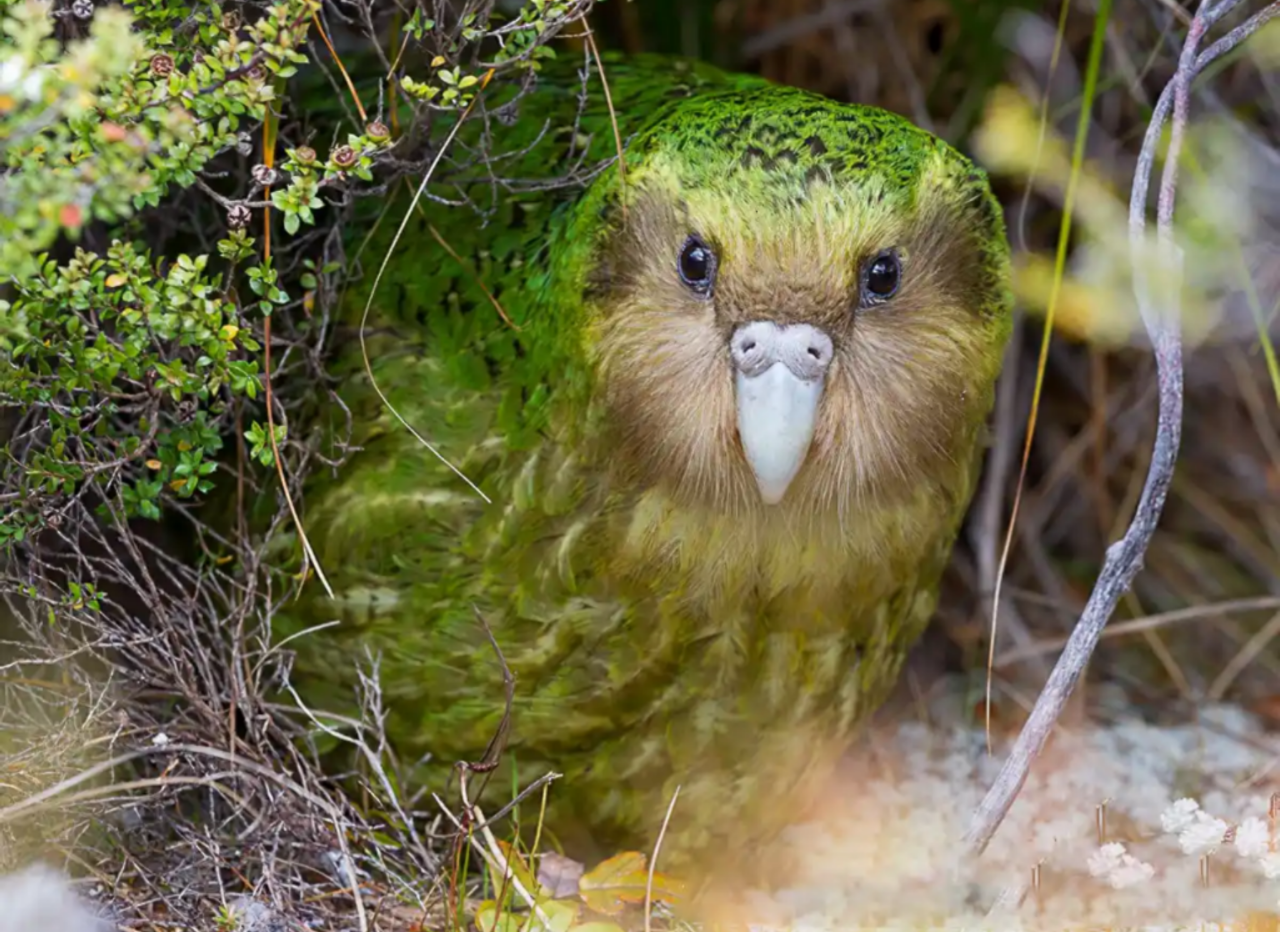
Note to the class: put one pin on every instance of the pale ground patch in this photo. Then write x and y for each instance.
(1094, 841)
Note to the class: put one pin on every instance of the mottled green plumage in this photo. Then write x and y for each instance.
(664, 625)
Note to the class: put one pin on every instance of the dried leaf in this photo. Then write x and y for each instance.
(559, 875)
(622, 881)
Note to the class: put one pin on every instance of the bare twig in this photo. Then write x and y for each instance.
(653, 861)
(491, 851)
(1124, 558)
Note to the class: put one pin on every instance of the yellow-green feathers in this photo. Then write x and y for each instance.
(666, 621)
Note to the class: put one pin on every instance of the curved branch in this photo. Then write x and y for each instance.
(1161, 318)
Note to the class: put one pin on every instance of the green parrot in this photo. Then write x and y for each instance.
(722, 403)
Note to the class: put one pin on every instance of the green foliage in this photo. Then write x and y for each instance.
(520, 42)
(354, 158)
(122, 365)
(106, 125)
(128, 360)
(101, 343)
(260, 442)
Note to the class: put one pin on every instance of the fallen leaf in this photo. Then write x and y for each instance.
(488, 919)
(559, 875)
(622, 881)
(560, 914)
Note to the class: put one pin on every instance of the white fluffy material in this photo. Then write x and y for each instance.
(39, 899)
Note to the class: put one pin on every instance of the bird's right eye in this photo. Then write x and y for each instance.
(697, 265)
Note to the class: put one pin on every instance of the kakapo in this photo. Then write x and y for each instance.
(726, 401)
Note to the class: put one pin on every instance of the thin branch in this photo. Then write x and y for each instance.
(1124, 558)
(653, 861)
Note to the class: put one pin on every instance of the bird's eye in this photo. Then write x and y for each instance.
(697, 265)
(882, 277)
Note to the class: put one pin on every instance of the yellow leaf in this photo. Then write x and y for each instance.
(115, 280)
(184, 445)
(229, 332)
(622, 880)
(177, 484)
(437, 61)
(487, 918)
(560, 916)
(154, 464)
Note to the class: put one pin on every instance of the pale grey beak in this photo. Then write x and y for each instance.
(779, 379)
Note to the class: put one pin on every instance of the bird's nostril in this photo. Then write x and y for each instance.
(748, 346)
(815, 353)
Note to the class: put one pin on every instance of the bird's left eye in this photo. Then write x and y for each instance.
(697, 265)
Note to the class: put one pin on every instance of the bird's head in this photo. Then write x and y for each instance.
(791, 303)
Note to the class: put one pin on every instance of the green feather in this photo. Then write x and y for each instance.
(654, 642)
